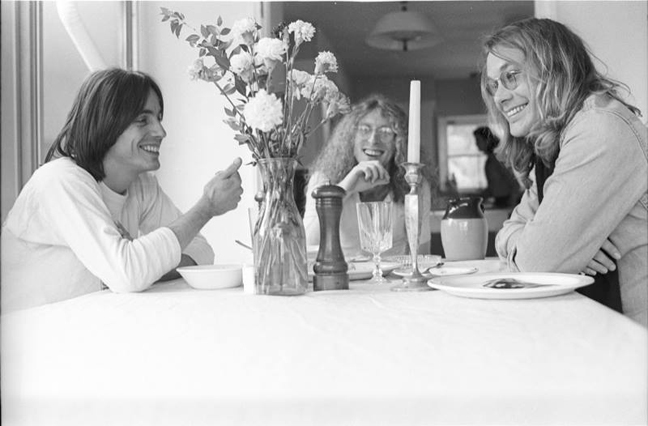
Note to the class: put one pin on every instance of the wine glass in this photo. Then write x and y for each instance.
(375, 228)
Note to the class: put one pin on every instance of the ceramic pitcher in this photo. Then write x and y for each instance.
(464, 229)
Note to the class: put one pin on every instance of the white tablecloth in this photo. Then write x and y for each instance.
(367, 356)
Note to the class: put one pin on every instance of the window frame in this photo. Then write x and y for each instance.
(442, 124)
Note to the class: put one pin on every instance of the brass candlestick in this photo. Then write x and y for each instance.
(415, 281)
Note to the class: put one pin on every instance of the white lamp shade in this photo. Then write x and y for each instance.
(403, 30)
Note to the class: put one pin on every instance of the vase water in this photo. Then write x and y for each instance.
(279, 234)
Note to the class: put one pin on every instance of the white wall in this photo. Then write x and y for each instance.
(198, 143)
(616, 32)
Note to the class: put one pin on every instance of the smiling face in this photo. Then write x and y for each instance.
(517, 105)
(137, 149)
(374, 139)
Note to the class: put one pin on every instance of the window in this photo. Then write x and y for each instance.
(461, 163)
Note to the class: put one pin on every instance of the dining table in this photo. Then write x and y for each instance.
(174, 355)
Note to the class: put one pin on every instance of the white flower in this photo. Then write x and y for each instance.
(339, 104)
(243, 65)
(195, 69)
(325, 62)
(299, 77)
(271, 49)
(304, 31)
(332, 91)
(264, 111)
(246, 29)
(317, 88)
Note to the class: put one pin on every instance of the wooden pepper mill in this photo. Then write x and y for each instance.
(330, 267)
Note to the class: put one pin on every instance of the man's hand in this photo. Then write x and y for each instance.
(223, 192)
(603, 260)
(364, 176)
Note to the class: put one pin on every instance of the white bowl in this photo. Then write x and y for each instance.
(212, 277)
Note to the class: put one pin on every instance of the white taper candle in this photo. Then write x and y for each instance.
(414, 132)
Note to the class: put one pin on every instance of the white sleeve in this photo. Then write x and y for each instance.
(72, 207)
(311, 219)
(159, 211)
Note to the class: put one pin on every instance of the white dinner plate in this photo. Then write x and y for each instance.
(539, 285)
(425, 261)
(360, 270)
(447, 271)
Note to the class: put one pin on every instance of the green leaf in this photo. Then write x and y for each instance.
(242, 139)
(225, 31)
(219, 21)
(202, 52)
(192, 39)
(213, 30)
(230, 112)
(240, 85)
(225, 45)
(222, 60)
(235, 51)
(233, 124)
(211, 49)
(203, 31)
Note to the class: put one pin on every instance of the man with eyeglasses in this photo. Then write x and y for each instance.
(582, 153)
(363, 156)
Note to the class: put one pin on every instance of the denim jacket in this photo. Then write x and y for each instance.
(598, 189)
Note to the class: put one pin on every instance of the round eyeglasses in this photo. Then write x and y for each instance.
(385, 134)
(508, 79)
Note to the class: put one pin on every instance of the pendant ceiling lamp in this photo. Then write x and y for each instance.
(403, 30)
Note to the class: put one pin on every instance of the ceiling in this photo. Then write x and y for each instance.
(345, 24)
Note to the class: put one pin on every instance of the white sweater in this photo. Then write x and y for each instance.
(349, 233)
(61, 240)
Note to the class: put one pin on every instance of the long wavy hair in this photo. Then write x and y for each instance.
(560, 67)
(107, 103)
(337, 158)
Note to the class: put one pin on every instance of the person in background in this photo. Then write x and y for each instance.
(581, 150)
(93, 214)
(363, 157)
(503, 187)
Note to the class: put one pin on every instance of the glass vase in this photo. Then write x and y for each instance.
(279, 235)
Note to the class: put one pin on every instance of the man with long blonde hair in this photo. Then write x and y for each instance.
(363, 156)
(582, 151)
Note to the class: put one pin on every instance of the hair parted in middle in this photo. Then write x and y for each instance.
(107, 103)
(337, 157)
(559, 69)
